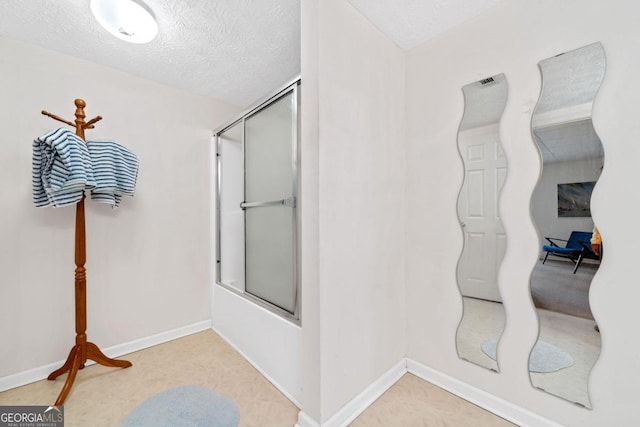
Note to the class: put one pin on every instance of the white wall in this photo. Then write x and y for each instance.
(358, 79)
(512, 38)
(148, 263)
(309, 211)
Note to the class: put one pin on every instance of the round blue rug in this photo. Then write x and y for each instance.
(186, 406)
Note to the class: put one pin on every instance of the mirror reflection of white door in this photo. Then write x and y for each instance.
(484, 237)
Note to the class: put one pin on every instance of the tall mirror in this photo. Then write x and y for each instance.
(485, 169)
(570, 245)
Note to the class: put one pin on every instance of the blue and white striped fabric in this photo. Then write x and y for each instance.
(115, 169)
(61, 169)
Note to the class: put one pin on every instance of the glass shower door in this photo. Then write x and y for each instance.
(270, 183)
(230, 214)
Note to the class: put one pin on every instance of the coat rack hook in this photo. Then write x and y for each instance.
(60, 119)
(89, 124)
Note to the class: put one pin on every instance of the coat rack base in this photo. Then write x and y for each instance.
(78, 356)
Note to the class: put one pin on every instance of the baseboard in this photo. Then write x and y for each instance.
(305, 420)
(259, 369)
(361, 402)
(481, 398)
(42, 372)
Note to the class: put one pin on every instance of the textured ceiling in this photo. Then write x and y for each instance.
(411, 22)
(235, 51)
(484, 103)
(572, 78)
(562, 119)
(569, 141)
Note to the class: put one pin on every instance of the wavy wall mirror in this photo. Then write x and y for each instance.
(485, 169)
(570, 249)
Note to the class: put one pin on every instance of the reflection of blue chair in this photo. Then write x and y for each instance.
(577, 248)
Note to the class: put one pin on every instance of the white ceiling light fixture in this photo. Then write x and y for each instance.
(128, 20)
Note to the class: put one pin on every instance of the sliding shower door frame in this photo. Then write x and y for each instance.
(293, 88)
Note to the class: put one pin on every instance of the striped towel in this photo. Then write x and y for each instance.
(115, 169)
(61, 169)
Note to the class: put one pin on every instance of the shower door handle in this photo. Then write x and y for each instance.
(290, 201)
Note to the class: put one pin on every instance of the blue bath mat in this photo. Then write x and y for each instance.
(186, 406)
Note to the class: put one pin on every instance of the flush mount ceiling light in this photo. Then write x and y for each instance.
(128, 20)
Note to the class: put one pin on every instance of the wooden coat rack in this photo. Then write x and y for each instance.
(82, 350)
